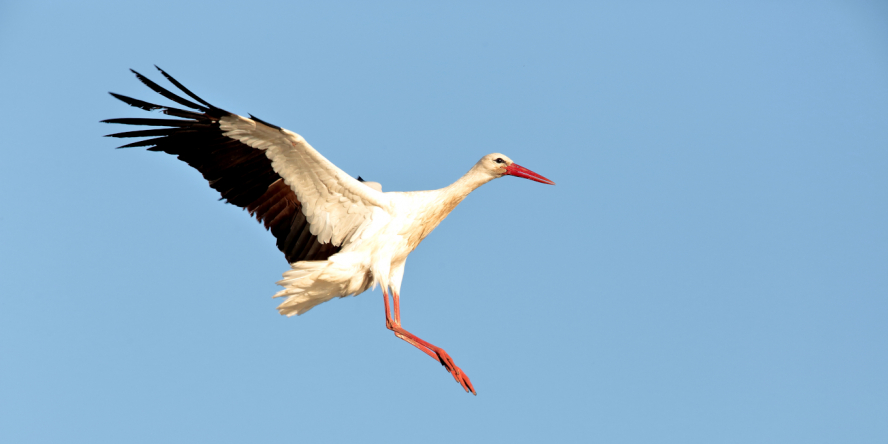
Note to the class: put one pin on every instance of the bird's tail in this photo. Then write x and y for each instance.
(309, 283)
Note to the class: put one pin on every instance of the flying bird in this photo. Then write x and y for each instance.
(341, 235)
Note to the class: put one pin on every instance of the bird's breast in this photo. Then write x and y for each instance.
(429, 210)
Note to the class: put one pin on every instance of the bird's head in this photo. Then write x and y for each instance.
(499, 165)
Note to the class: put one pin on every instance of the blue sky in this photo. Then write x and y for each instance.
(712, 266)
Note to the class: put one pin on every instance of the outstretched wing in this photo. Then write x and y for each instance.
(312, 207)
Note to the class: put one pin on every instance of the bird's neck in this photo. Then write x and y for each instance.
(453, 194)
(468, 182)
(443, 201)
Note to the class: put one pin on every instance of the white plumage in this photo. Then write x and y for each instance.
(340, 234)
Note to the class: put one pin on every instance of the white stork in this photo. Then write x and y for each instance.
(340, 235)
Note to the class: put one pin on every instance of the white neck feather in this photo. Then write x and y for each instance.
(473, 179)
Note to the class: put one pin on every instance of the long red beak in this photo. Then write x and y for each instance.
(519, 171)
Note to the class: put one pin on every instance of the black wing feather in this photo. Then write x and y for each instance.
(150, 122)
(164, 92)
(182, 87)
(144, 133)
(264, 122)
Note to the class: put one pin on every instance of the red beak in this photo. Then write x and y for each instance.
(519, 171)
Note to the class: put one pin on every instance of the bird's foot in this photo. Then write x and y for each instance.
(461, 377)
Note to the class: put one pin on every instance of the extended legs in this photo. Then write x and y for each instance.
(394, 324)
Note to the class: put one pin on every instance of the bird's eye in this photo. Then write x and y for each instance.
(499, 160)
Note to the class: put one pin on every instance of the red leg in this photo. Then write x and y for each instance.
(435, 352)
(392, 324)
(396, 300)
(388, 316)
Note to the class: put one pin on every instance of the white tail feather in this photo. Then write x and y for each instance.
(309, 283)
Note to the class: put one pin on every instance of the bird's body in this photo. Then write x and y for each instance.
(379, 254)
(341, 236)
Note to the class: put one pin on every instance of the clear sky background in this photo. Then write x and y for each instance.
(712, 266)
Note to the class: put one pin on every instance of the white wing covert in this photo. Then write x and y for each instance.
(337, 206)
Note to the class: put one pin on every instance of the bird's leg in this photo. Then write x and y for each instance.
(396, 323)
(396, 301)
(435, 352)
(388, 316)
